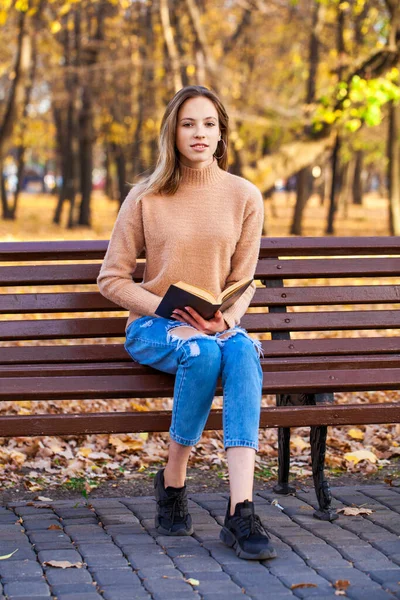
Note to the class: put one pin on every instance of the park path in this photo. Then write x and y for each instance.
(121, 557)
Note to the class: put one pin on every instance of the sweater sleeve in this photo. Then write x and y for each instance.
(125, 245)
(245, 257)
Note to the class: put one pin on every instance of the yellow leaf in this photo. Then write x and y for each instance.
(138, 407)
(360, 455)
(356, 433)
(7, 555)
(25, 403)
(192, 581)
(297, 442)
(55, 27)
(85, 451)
(144, 436)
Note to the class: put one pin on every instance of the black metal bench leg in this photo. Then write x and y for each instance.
(318, 447)
(283, 487)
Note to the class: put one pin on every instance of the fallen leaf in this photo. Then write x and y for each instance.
(361, 455)
(295, 586)
(341, 584)
(54, 526)
(8, 555)
(43, 499)
(354, 511)
(298, 443)
(192, 581)
(356, 433)
(63, 564)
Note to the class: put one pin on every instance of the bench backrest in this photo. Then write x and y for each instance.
(49, 293)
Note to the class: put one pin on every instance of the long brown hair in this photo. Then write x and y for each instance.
(166, 175)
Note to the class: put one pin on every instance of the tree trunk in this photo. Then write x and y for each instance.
(304, 176)
(394, 168)
(340, 47)
(170, 45)
(23, 60)
(304, 187)
(86, 158)
(357, 189)
(6, 215)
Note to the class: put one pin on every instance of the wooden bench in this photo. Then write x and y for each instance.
(302, 372)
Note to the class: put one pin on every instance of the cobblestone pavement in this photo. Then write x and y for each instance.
(120, 556)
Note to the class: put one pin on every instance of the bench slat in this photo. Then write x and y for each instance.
(254, 322)
(266, 269)
(159, 421)
(268, 364)
(88, 353)
(270, 246)
(296, 296)
(162, 384)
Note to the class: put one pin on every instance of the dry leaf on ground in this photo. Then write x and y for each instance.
(353, 511)
(355, 457)
(63, 564)
(295, 586)
(341, 584)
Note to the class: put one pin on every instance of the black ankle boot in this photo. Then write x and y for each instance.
(172, 517)
(245, 533)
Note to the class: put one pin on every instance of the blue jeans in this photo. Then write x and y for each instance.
(197, 363)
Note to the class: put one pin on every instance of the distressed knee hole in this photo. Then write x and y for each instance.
(185, 333)
(227, 335)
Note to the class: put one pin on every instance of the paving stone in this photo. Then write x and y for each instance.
(45, 536)
(56, 576)
(106, 561)
(149, 560)
(17, 570)
(24, 598)
(79, 596)
(167, 586)
(125, 594)
(150, 572)
(226, 596)
(73, 588)
(80, 521)
(56, 545)
(71, 555)
(27, 588)
(191, 563)
(356, 577)
(120, 578)
(365, 594)
(385, 576)
(98, 550)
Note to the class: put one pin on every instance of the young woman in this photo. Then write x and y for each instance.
(202, 225)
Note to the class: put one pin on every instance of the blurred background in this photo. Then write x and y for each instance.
(311, 88)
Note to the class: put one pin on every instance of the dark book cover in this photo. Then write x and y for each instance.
(176, 297)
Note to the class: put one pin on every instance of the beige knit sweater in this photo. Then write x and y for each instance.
(207, 234)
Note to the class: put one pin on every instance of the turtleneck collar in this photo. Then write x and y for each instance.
(201, 177)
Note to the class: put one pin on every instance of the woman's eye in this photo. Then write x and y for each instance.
(209, 123)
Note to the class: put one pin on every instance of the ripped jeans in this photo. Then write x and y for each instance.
(197, 362)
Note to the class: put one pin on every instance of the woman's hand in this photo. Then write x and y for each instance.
(214, 325)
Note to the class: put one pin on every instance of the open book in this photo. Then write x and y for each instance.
(183, 294)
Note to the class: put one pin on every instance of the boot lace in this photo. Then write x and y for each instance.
(250, 525)
(175, 506)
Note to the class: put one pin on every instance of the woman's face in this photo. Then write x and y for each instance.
(197, 124)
